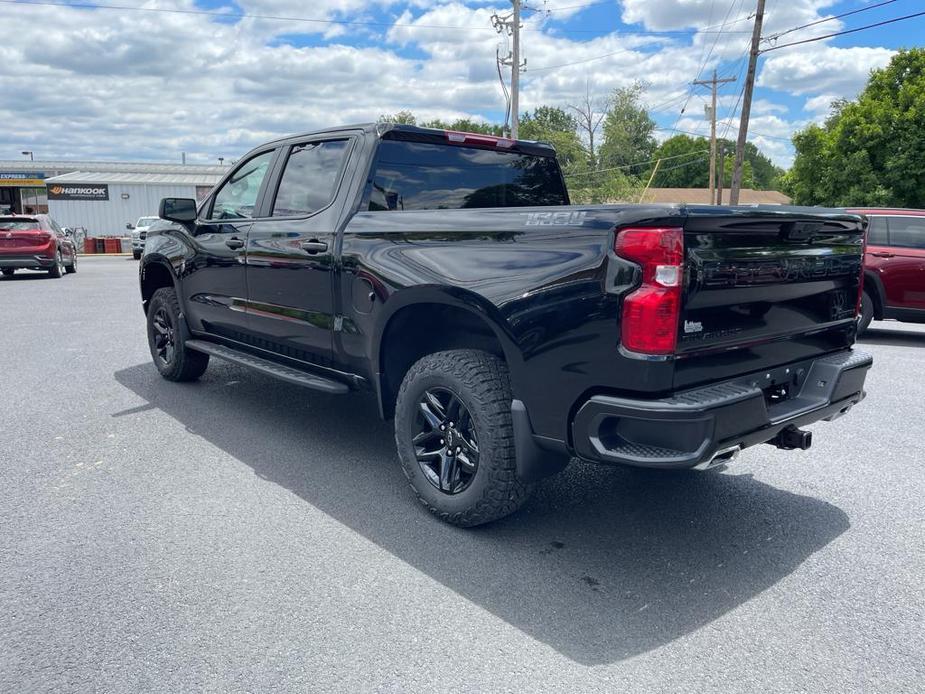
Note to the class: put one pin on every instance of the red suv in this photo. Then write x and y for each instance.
(35, 242)
(894, 266)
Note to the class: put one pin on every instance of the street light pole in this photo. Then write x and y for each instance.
(30, 155)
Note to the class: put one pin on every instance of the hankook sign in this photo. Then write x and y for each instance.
(57, 191)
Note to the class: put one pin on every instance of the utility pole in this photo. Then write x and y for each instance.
(515, 71)
(713, 83)
(746, 107)
(511, 24)
(722, 174)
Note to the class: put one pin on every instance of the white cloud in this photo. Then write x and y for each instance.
(150, 85)
(820, 68)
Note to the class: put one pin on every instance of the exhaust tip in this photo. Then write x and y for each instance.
(721, 457)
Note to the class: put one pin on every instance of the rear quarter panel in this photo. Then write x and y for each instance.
(539, 276)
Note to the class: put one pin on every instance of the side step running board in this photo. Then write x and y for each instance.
(284, 373)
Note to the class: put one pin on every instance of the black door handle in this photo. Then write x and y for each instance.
(314, 246)
(234, 243)
(881, 254)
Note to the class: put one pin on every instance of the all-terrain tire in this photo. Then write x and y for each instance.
(178, 363)
(482, 383)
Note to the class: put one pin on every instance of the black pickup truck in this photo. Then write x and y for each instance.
(505, 330)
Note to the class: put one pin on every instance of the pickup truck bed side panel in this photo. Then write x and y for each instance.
(539, 275)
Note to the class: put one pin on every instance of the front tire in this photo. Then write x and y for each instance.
(72, 268)
(867, 312)
(8, 271)
(165, 339)
(136, 255)
(455, 437)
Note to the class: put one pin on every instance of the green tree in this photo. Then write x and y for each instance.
(404, 117)
(628, 130)
(686, 163)
(465, 125)
(558, 128)
(870, 151)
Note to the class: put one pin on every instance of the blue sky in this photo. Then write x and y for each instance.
(98, 83)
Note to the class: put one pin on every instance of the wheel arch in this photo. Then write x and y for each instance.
(423, 320)
(154, 273)
(873, 285)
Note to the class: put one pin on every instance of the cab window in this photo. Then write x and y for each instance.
(310, 178)
(237, 198)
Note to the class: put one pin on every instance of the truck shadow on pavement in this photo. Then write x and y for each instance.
(602, 564)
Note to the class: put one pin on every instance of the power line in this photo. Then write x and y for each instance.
(574, 7)
(307, 20)
(578, 62)
(233, 15)
(638, 163)
(774, 37)
(842, 33)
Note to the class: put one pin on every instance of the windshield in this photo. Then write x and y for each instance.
(146, 221)
(20, 224)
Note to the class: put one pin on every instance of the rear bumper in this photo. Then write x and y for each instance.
(33, 262)
(691, 427)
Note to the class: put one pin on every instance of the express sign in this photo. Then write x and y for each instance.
(78, 192)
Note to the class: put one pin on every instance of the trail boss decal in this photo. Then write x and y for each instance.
(554, 219)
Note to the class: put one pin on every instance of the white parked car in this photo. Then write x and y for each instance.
(139, 232)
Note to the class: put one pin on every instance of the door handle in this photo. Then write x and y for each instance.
(881, 254)
(234, 243)
(314, 246)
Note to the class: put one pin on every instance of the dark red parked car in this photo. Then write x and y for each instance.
(894, 266)
(35, 242)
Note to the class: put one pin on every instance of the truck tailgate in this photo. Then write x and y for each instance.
(764, 287)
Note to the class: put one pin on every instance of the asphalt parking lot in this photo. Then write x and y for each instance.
(242, 534)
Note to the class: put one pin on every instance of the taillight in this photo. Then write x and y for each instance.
(651, 312)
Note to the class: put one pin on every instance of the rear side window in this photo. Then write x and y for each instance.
(310, 177)
(426, 176)
(876, 232)
(907, 232)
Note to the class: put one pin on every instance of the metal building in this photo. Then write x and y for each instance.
(23, 182)
(104, 202)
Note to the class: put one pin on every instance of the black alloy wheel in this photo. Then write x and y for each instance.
(164, 336)
(166, 339)
(446, 443)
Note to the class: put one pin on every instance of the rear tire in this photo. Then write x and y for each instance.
(867, 312)
(166, 340)
(480, 431)
(57, 269)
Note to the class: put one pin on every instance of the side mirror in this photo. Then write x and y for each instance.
(129, 226)
(180, 210)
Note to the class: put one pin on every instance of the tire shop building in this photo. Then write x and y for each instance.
(101, 197)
